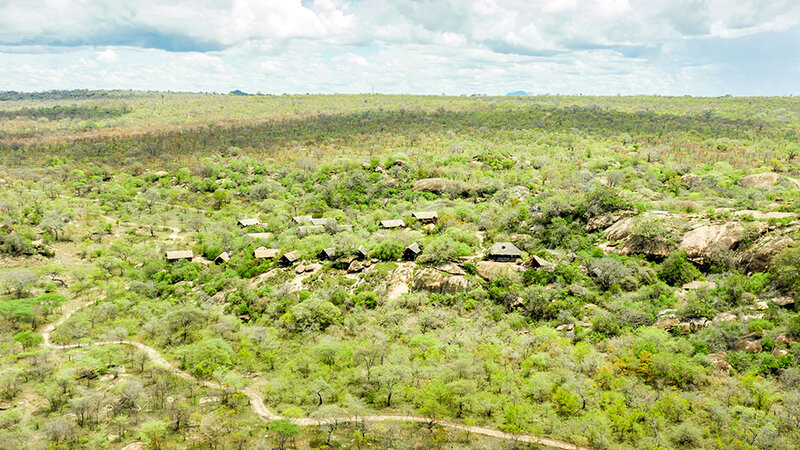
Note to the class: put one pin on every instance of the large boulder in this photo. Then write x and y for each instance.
(655, 247)
(606, 220)
(444, 186)
(438, 283)
(766, 251)
(701, 243)
(786, 302)
(759, 180)
(749, 343)
(620, 229)
(490, 270)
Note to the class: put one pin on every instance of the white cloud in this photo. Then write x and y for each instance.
(107, 56)
(425, 46)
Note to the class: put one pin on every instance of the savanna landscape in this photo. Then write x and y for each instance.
(185, 270)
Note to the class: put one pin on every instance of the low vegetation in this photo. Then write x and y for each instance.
(651, 305)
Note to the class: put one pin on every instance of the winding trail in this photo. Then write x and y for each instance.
(257, 402)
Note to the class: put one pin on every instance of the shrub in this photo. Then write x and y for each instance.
(786, 269)
(603, 200)
(388, 250)
(677, 270)
(315, 314)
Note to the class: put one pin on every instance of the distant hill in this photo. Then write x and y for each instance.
(517, 93)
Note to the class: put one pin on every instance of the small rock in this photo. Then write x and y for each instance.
(205, 400)
(778, 352)
(719, 361)
(355, 266)
(726, 316)
(694, 285)
(783, 339)
(170, 400)
(113, 437)
(299, 269)
(667, 323)
(761, 306)
(565, 327)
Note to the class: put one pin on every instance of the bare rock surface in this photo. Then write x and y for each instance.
(766, 250)
(438, 283)
(490, 271)
(701, 242)
(443, 185)
(759, 180)
(749, 343)
(786, 301)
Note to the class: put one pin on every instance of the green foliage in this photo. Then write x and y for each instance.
(786, 269)
(28, 338)
(677, 270)
(206, 356)
(388, 250)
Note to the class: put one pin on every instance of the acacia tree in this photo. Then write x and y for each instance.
(390, 376)
(19, 281)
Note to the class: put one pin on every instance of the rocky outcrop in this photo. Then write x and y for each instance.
(620, 230)
(766, 251)
(490, 271)
(520, 193)
(607, 220)
(444, 186)
(702, 242)
(786, 302)
(759, 180)
(655, 247)
(719, 361)
(438, 283)
(750, 343)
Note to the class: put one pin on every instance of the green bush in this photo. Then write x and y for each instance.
(677, 270)
(786, 269)
(388, 250)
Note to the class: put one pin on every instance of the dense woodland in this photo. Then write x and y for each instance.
(653, 305)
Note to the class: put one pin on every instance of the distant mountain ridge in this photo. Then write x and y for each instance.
(517, 93)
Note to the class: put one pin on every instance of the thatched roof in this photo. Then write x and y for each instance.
(290, 257)
(393, 223)
(223, 257)
(173, 255)
(362, 252)
(504, 249)
(536, 262)
(425, 215)
(249, 222)
(413, 248)
(302, 219)
(327, 253)
(266, 253)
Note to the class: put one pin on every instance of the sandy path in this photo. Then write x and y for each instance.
(257, 401)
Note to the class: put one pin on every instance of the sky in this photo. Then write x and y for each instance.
(454, 47)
